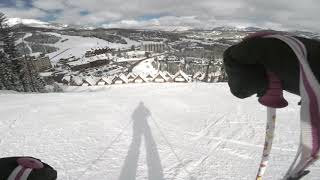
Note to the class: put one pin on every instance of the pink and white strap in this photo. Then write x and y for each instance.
(25, 167)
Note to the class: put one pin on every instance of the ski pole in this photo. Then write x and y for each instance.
(272, 99)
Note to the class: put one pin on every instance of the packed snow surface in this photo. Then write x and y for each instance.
(151, 131)
(145, 68)
(78, 45)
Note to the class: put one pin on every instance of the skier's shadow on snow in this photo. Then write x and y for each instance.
(141, 129)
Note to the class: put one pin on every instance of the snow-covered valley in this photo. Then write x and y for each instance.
(148, 131)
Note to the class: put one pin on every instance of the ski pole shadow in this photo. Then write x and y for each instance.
(141, 128)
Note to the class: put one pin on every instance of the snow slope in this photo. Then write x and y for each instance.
(145, 68)
(34, 23)
(15, 21)
(151, 131)
(77, 46)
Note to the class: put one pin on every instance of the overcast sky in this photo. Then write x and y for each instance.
(276, 14)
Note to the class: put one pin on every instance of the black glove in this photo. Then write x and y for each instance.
(7, 165)
(247, 62)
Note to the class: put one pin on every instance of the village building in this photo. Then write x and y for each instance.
(168, 76)
(153, 47)
(198, 76)
(98, 51)
(160, 78)
(66, 80)
(136, 54)
(75, 81)
(131, 77)
(42, 63)
(104, 81)
(90, 62)
(47, 77)
(214, 76)
(39, 61)
(121, 79)
(180, 76)
(149, 77)
(88, 82)
(140, 79)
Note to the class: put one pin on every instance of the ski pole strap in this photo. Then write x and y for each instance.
(309, 147)
(24, 168)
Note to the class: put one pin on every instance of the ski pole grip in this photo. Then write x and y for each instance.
(274, 95)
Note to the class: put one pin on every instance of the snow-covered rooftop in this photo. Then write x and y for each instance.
(183, 74)
(160, 75)
(140, 76)
(90, 80)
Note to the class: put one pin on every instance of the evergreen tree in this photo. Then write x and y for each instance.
(25, 79)
(2, 72)
(6, 72)
(16, 73)
(12, 65)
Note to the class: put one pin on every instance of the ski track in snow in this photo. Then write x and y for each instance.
(26, 42)
(148, 132)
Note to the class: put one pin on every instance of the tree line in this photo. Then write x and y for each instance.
(16, 73)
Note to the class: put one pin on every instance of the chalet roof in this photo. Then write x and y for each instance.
(106, 80)
(161, 75)
(197, 74)
(184, 75)
(89, 80)
(66, 78)
(141, 77)
(76, 81)
(121, 77)
(203, 76)
(131, 75)
(150, 76)
(167, 74)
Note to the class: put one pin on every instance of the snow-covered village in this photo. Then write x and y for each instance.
(109, 57)
(159, 90)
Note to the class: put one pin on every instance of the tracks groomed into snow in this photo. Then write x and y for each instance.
(150, 131)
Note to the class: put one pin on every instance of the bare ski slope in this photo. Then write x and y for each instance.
(78, 45)
(148, 132)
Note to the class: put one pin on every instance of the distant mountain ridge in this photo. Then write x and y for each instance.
(41, 24)
(50, 25)
(33, 23)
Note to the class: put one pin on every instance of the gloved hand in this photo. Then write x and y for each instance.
(8, 164)
(246, 64)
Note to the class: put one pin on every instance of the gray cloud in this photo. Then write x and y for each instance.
(284, 14)
(23, 13)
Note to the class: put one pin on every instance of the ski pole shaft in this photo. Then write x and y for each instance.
(270, 127)
(272, 99)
